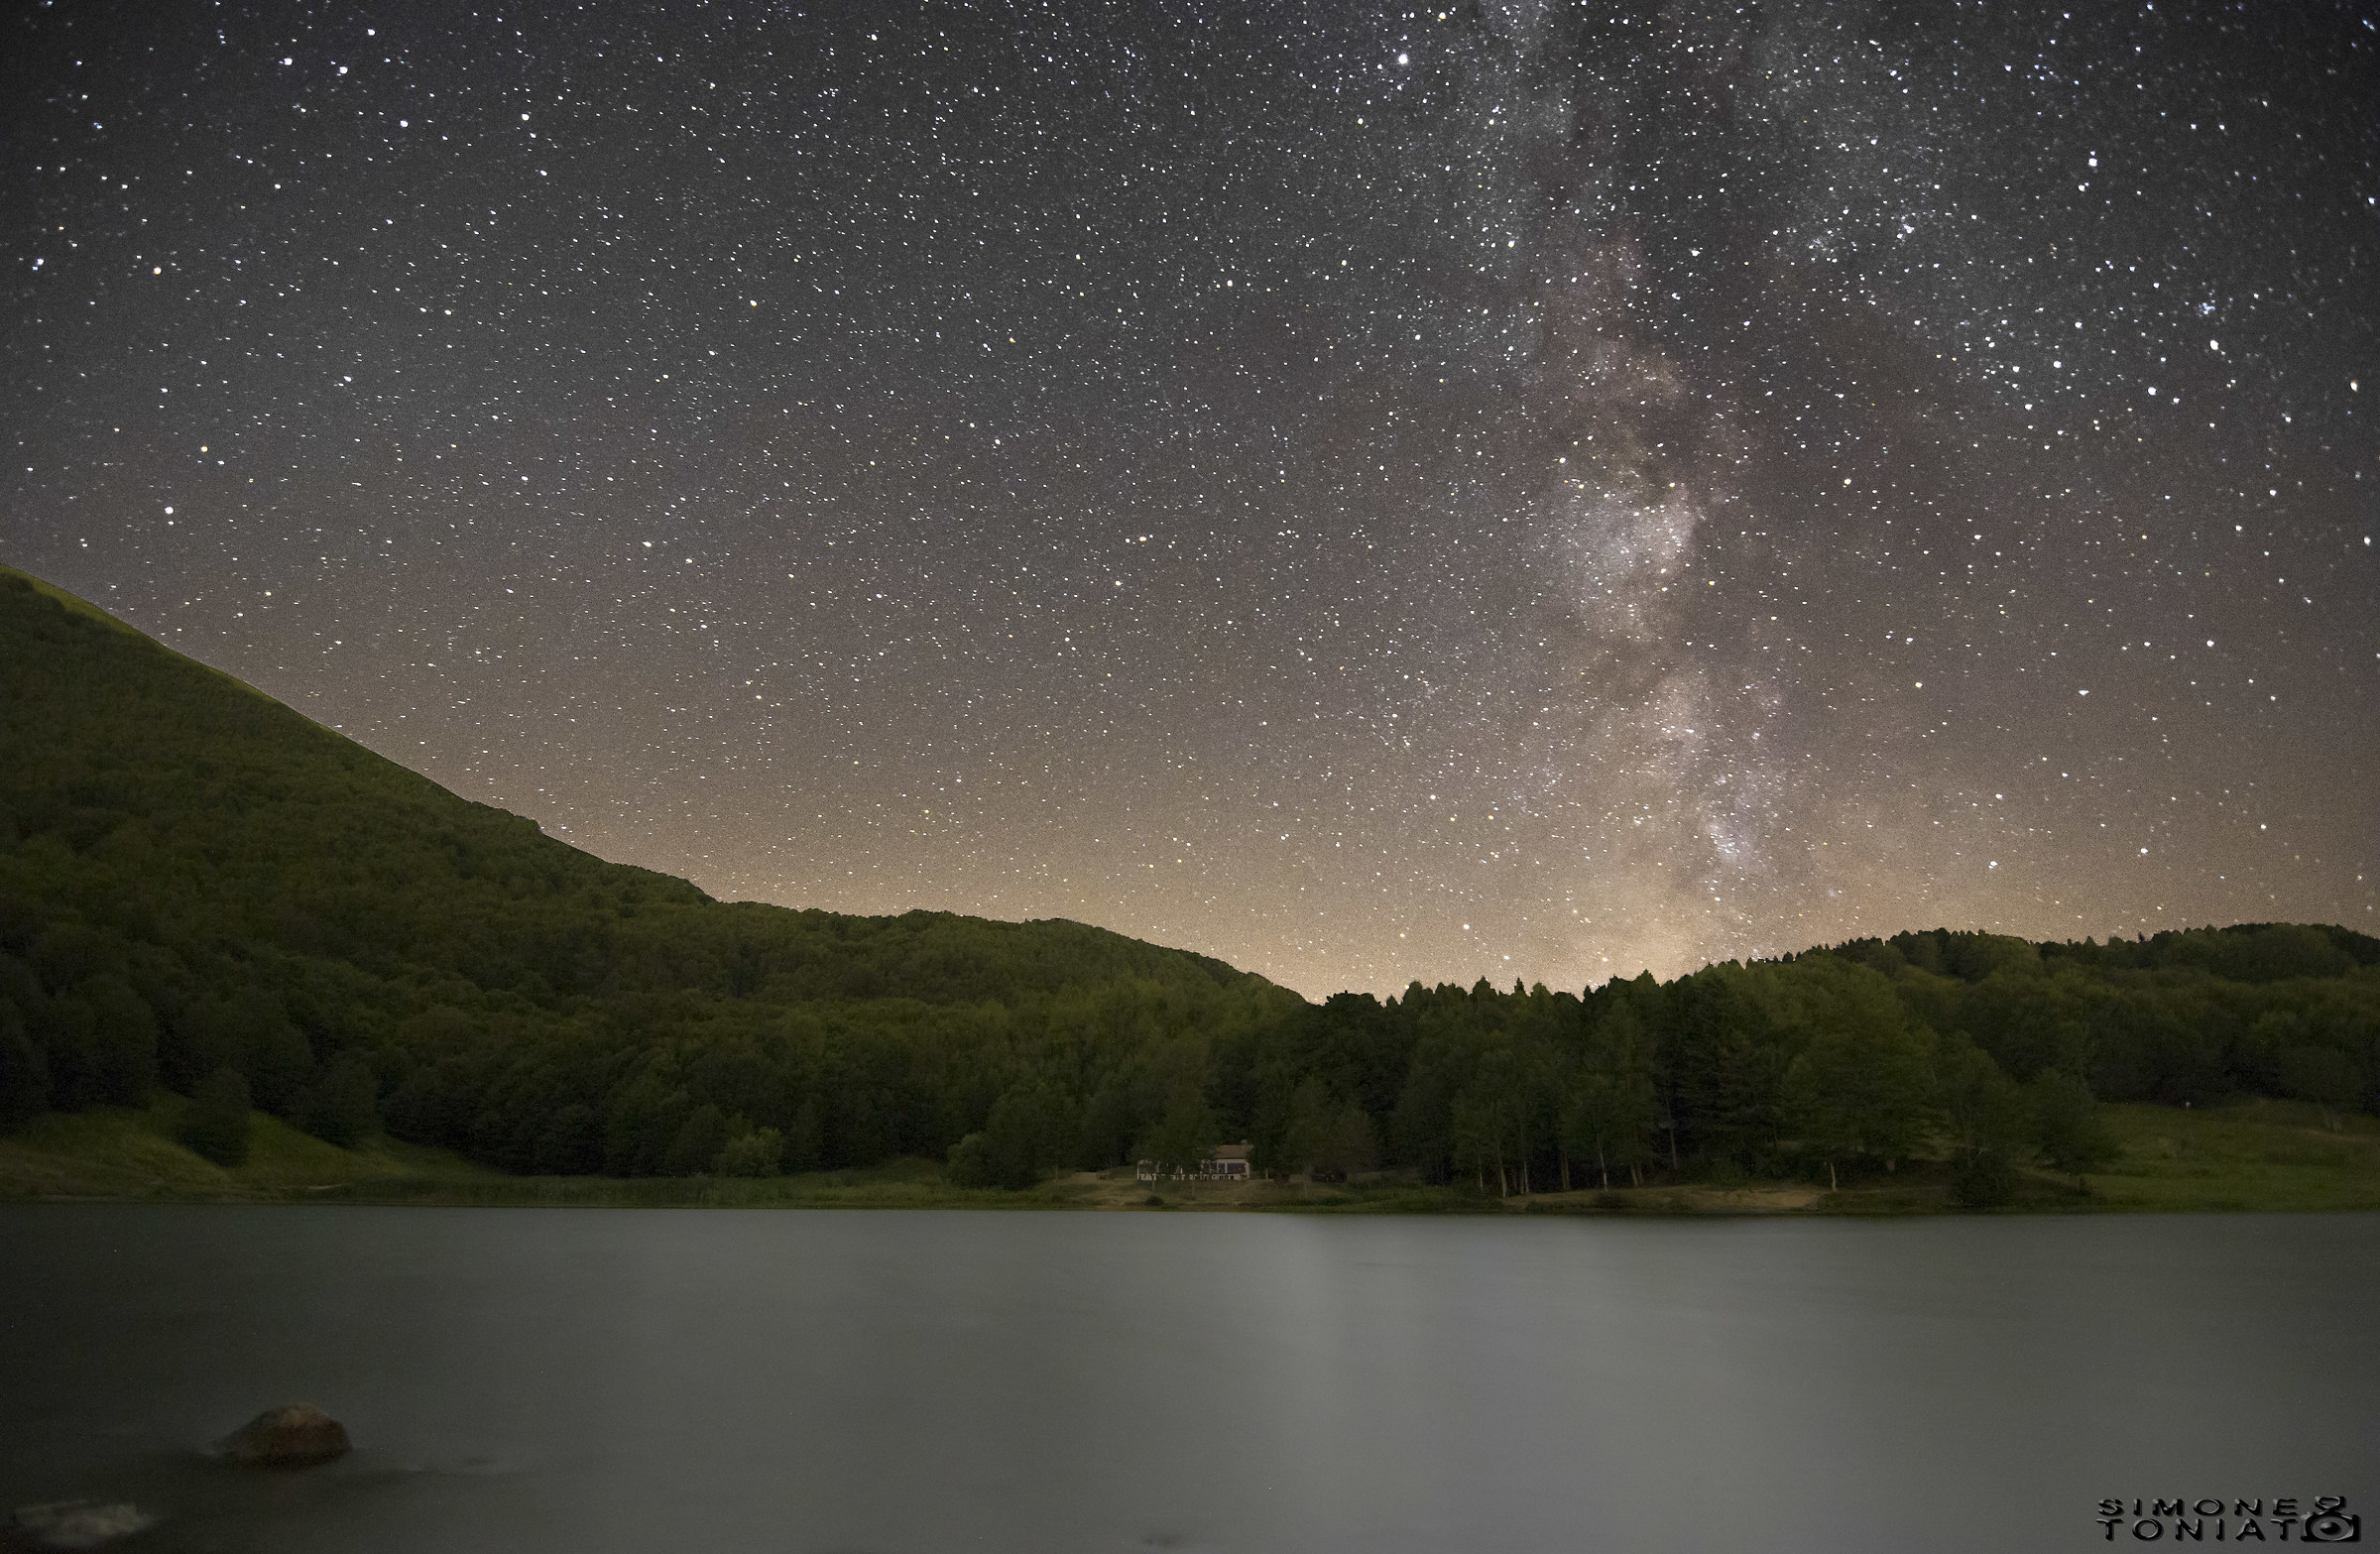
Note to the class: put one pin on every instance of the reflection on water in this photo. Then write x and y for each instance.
(592, 1381)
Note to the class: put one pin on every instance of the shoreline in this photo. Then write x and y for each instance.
(2254, 1157)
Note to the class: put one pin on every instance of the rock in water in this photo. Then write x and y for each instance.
(75, 1525)
(298, 1436)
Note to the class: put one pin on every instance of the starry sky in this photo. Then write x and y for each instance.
(1369, 493)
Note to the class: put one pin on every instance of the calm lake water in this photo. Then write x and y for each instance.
(597, 1381)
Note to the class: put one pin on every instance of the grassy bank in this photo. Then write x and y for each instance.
(2256, 1155)
(115, 1152)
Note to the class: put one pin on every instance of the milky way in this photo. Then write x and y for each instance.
(1371, 494)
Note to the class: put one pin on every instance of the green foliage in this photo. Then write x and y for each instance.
(570, 1144)
(804, 1147)
(2327, 1076)
(24, 1074)
(970, 1163)
(1728, 1059)
(1327, 1136)
(1989, 1124)
(1985, 1180)
(342, 1108)
(1865, 1090)
(119, 1061)
(1477, 1133)
(759, 1153)
(1027, 1137)
(216, 1125)
(1970, 957)
(698, 1141)
(1984, 1111)
(1610, 1108)
(1184, 1134)
(2073, 1136)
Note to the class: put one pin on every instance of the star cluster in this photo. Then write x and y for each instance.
(1369, 493)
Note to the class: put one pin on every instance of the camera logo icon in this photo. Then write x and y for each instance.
(2331, 1527)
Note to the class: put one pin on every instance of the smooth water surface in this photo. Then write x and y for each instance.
(645, 1380)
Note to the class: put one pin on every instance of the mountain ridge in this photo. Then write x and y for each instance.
(203, 888)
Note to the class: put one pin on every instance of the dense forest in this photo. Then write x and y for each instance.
(201, 890)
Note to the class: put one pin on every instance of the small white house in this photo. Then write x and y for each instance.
(1229, 1162)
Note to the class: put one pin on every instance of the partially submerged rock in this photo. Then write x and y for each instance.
(75, 1525)
(298, 1436)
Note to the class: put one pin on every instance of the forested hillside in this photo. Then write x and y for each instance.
(201, 889)
(194, 879)
(1984, 1048)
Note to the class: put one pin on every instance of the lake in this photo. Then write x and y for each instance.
(840, 1381)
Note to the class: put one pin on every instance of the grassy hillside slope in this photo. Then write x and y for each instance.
(109, 1151)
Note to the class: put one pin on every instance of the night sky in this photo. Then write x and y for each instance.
(1366, 493)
